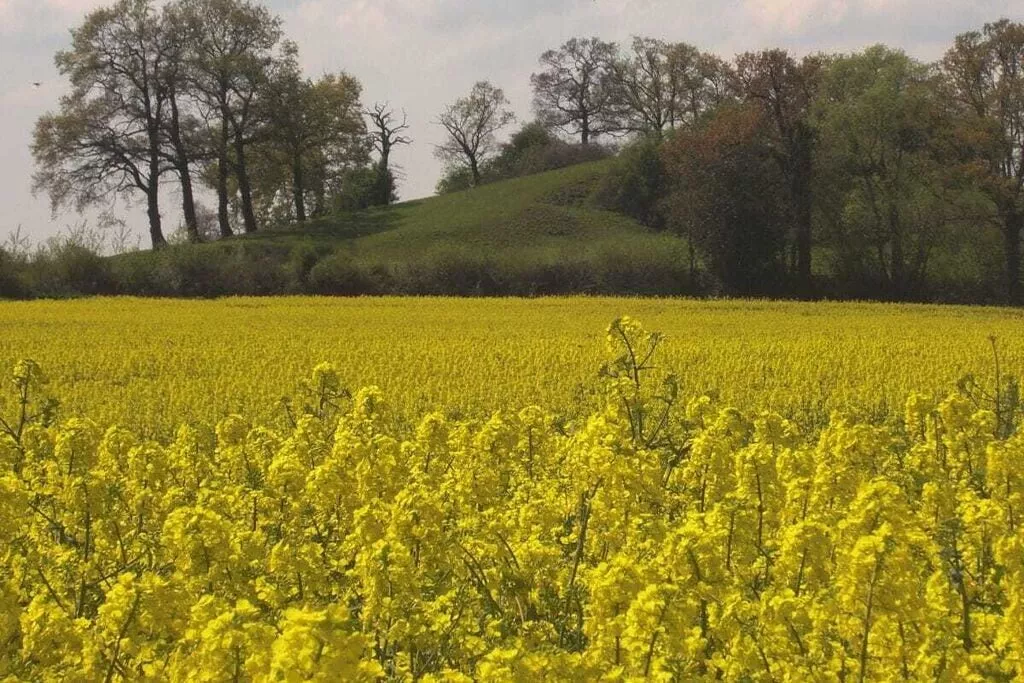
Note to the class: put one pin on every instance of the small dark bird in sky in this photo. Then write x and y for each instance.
(36, 84)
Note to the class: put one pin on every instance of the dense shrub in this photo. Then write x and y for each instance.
(11, 271)
(300, 264)
(640, 267)
(637, 184)
(533, 149)
(68, 269)
(339, 274)
(141, 273)
(365, 187)
(643, 268)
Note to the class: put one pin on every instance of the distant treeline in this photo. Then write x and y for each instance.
(868, 175)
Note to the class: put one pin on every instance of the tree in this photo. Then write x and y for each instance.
(699, 83)
(471, 123)
(534, 148)
(573, 93)
(642, 92)
(881, 118)
(985, 72)
(106, 137)
(314, 127)
(636, 183)
(231, 47)
(182, 128)
(514, 159)
(665, 86)
(784, 89)
(726, 199)
(386, 134)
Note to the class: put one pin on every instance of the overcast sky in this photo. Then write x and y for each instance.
(421, 54)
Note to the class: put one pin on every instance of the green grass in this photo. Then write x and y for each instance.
(545, 210)
(538, 234)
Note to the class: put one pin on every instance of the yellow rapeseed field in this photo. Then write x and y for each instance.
(766, 492)
(152, 364)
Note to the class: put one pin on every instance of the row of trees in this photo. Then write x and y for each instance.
(775, 168)
(589, 89)
(873, 156)
(209, 92)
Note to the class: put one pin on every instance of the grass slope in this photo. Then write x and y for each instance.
(534, 235)
(547, 209)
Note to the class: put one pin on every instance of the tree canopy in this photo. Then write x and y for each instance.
(862, 174)
(206, 91)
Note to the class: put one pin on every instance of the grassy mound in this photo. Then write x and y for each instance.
(534, 235)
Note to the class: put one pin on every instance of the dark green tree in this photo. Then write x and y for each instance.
(231, 49)
(784, 89)
(985, 74)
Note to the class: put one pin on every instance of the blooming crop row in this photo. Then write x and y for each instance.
(151, 365)
(663, 536)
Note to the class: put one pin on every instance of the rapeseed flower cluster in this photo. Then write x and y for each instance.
(664, 536)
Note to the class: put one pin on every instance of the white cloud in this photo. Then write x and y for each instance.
(794, 15)
(21, 17)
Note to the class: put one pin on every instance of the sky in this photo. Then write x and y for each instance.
(418, 55)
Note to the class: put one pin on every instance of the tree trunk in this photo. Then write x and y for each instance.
(319, 199)
(585, 130)
(381, 185)
(693, 265)
(803, 242)
(244, 186)
(1012, 224)
(222, 180)
(156, 232)
(475, 169)
(899, 265)
(298, 191)
(188, 203)
(802, 205)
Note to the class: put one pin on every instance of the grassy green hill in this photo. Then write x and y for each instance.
(539, 234)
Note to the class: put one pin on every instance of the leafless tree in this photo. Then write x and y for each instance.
(471, 123)
(660, 85)
(386, 131)
(573, 93)
(643, 97)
